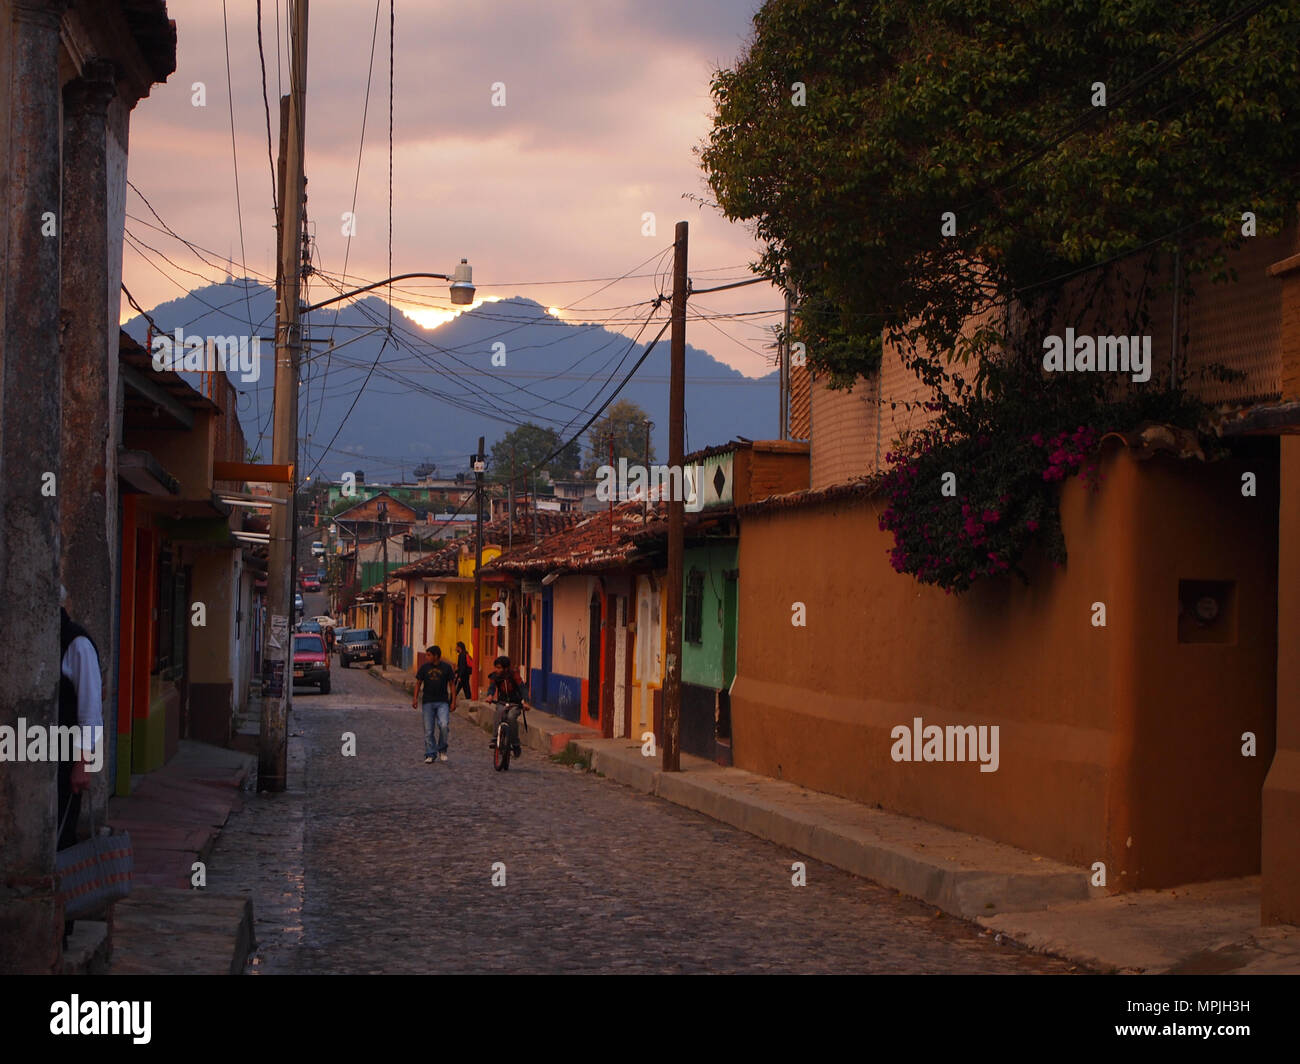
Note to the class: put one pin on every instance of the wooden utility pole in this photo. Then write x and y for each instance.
(276, 707)
(676, 511)
(383, 584)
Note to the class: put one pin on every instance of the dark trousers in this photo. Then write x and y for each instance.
(510, 711)
(462, 684)
(69, 807)
(68, 813)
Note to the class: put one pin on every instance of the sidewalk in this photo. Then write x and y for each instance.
(174, 815)
(1043, 904)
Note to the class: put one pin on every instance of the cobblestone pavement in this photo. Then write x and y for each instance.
(381, 863)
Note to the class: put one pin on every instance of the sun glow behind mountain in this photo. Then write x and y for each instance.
(432, 317)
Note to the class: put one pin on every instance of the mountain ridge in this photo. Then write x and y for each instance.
(427, 394)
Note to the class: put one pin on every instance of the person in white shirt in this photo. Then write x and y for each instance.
(80, 706)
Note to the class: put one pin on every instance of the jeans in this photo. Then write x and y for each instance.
(437, 717)
(510, 711)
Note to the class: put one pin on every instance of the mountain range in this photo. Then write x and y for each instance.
(384, 400)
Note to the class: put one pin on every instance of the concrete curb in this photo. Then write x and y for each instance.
(957, 873)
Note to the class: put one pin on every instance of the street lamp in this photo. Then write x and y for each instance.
(462, 286)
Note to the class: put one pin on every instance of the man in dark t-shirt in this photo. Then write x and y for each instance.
(434, 681)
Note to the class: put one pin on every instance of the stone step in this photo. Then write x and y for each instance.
(169, 931)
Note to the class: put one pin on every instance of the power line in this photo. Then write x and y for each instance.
(234, 156)
(266, 106)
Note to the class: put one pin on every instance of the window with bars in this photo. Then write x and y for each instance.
(694, 607)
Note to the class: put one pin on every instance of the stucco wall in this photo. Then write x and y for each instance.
(1280, 890)
(1106, 735)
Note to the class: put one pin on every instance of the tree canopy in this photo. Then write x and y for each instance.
(531, 444)
(625, 421)
(1058, 133)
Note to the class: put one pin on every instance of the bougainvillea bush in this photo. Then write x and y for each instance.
(967, 496)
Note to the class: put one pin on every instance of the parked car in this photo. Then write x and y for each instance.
(297, 602)
(310, 583)
(359, 644)
(311, 663)
(311, 626)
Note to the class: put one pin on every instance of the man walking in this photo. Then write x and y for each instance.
(434, 681)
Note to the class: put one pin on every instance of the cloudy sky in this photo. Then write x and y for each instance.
(605, 101)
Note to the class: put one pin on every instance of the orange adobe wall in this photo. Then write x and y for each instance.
(1280, 885)
(1117, 744)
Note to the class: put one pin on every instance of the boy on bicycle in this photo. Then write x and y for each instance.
(507, 688)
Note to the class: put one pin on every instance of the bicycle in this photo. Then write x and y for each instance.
(501, 748)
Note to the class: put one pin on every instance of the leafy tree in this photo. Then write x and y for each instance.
(985, 109)
(531, 444)
(625, 421)
(424, 469)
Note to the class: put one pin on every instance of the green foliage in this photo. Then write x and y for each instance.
(531, 443)
(625, 421)
(965, 106)
(1008, 445)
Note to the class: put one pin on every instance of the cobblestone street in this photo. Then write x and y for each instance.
(380, 863)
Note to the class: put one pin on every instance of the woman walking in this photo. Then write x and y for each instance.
(464, 669)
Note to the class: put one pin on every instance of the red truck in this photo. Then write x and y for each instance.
(311, 661)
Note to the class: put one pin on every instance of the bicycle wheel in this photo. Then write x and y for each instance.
(501, 749)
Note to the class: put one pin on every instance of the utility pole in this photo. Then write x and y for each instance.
(477, 462)
(676, 512)
(383, 584)
(275, 711)
(510, 531)
(615, 491)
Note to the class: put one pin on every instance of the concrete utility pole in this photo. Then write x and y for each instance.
(676, 511)
(275, 710)
(476, 461)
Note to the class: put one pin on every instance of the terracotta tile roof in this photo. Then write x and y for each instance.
(592, 544)
(738, 444)
(443, 562)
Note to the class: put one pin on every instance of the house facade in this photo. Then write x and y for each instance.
(592, 601)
